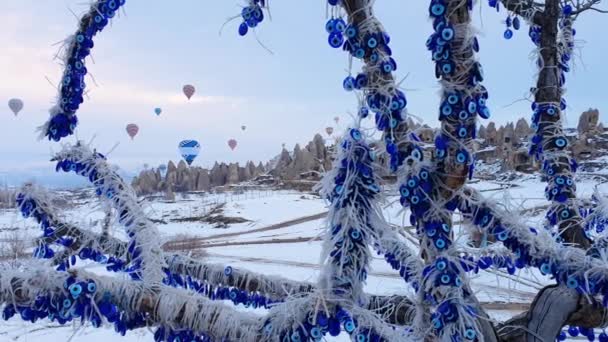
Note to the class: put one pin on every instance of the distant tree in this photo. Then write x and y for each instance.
(178, 295)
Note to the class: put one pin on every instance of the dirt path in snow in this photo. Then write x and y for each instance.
(200, 242)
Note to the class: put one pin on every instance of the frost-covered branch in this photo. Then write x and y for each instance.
(144, 245)
(76, 49)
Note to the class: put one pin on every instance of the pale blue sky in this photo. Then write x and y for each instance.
(143, 59)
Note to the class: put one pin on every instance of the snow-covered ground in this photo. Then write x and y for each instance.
(280, 235)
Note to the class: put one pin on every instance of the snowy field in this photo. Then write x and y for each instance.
(280, 234)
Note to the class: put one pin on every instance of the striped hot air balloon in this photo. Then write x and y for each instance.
(189, 150)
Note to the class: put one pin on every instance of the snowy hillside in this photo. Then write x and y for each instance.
(278, 232)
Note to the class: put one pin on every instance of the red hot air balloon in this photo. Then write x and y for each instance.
(337, 119)
(132, 130)
(232, 144)
(189, 90)
(329, 130)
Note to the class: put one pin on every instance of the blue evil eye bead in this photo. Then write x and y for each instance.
(516, 23)
(572, 283)
(447, 67)
(349, 326)
(361, 81)
(561, 142)
(567, 10)
(349, 83)
(508, 34)
(573, 331)
(551, 111)
(445, 279)
(446, 228)
(340, 25)
(387, 67)
(470, 334)
(335, 40)
(437, 9)
(603, 337)
(228, 270)
(91, 287)
(351, 31)
(424, 175)
(447, 34)
(359, 53)
(565, 214)
(67, 303)
(440, 243)
(446, 110)
(453, 99)
(243, 29)
(355, 234)
(415, 199)
(461, 157)
(371, 41)
(75, 290)
(363, 112)
(471, 106)
(463, 115)
(440, 264)
(462, 132)
(355, 134)
(361, 337)
(484, 112)
(330, 26)
(405, 192)
(545, 268)
(502, 236)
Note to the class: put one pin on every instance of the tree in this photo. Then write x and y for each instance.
(176, 294)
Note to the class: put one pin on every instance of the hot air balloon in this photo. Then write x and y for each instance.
(189, 90)
(162, 168)
(232, 144)
(132, 130)
(336, 119)
(189, 150)
(16, 105)
(243, 127)
(158, 110)
(329, 130)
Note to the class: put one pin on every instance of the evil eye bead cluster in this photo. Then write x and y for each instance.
(166, 334)
(319, 324)
(512, 22)
(355, 187)
(357, 167)
(31, 208)
(583, 332)
(235, 295)
(79, 300)
(461, 105)
(88, 168)
(252, 15)
(559, 168)
(72, 86)
(569, 275)
(383, 97)
(416, 191)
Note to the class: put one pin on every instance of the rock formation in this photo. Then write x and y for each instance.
(506, 145)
